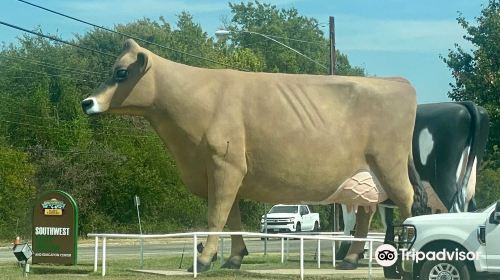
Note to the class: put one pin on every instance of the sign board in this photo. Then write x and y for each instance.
(55, 228)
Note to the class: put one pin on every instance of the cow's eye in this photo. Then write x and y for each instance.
(121, 75)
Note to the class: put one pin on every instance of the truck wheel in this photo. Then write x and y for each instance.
(316, 226)
(453, 270)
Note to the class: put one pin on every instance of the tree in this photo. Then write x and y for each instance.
(289, 27)
(477, 72)
(16, 192)
(477, 78)
(487, 187)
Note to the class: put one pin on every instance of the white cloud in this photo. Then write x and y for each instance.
(356, 33)
(138, 8)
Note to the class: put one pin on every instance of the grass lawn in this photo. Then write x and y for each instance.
(121, 269)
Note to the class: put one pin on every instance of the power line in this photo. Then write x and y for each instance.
(37, 148)
(131, 36)
(75, 151)
(33, 116)
(44, 73)
(71, 151)
(41, 73)
(70, 122)
(68, 129)
(27, 149)
(322, 24)
(9, 100)
(34, 78)
(54, 66)
(296, 40)
(57, 39)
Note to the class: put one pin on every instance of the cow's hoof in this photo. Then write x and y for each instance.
(200, 267)
(231, 264)
(235, 261)
(346, 265)
(342, 251)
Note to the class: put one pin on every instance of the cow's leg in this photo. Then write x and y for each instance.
(363, 219)
(470, 204)
(388, 219)
(349, 220)
(390, 272)
(381, 214)
(238, 248)
(396, 182)
(225, 172)
(349, 223)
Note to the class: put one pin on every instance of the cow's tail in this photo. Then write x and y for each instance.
(473, 148)
(419, 206)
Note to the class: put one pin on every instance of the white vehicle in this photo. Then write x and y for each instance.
(473, 237)
(290, 218)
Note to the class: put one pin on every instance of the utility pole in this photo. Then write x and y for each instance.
(333, 59)
(265, 230)
(333, 55)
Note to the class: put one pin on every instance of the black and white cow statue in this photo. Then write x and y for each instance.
(449, 140)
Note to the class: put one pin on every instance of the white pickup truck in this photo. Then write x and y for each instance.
(290, 218)
(457, 246)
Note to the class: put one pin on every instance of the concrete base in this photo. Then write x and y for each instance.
(180, 272)
(361, 272)
(357, 273)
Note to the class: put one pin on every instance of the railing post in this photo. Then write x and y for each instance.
(370, 260)
(104, 256)
(333, 252)
(96, 253)
(221, 249)
(142, 253)
(334, 240)
(195, 253)
(287, 248)
(319, 253)
(282, 249)
(301, 258)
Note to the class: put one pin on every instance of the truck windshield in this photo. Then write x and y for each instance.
(284, 209)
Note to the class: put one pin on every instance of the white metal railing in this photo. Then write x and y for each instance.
(332, 236)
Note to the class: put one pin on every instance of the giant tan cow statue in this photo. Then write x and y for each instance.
(275, 138)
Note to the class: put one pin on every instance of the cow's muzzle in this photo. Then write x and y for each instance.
(87, 104)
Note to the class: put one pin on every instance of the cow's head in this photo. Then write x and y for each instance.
(130, 88)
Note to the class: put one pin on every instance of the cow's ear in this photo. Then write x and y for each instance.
(144, 61)
(129, 45)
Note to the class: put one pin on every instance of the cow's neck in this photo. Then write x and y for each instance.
(183, 105)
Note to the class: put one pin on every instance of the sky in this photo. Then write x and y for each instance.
(386, 37)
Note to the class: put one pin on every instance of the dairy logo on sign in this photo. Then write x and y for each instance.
(53, 207)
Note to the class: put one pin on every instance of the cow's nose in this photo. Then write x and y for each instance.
(87, 104)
